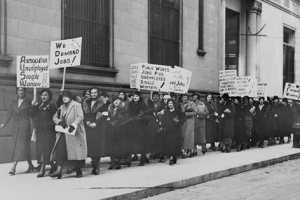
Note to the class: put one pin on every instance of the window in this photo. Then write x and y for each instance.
(232, 40)
(288, 55)
(164, 32)
(89, 20)
(200, 50)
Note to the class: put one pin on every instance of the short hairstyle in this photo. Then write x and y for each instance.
(48, 92)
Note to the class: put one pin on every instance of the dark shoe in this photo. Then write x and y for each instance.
(162, 160)
(147, 160)
(262, 146)
(12, 172)
(135, 158)
(111, 167)
(70, 170)
(96, 171)
(171, 162)
(40, 175)
(78, 173)
(204, 151)
(58, 175)
(30, 169)
(227, 150)
(174, 160)
(141, 164)
(118, 167)
(53, 169)
(222, 150)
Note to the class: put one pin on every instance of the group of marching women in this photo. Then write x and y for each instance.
(123, 126)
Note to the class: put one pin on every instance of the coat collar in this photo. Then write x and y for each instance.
(25, 104)
(98, 104)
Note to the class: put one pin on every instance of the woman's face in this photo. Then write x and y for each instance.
(66, 99)
(235, 101)
(87, 94)
(78, 99)
(21, 92)
(195, 97)
(117, 102)
(94, 93)
(170, 105)
(184, 99)
(130, 98)
(136, 98)
(155, 98)
(121, 95)
(261, 101)
(45, 97)
(209, 98)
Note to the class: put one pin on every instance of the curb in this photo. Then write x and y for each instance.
(151, 191)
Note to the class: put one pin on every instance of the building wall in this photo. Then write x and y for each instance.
(271, 47)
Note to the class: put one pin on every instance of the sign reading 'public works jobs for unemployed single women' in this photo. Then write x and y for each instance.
(65, 53)
(33, 71)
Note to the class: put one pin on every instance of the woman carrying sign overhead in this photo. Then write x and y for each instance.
(71, 144)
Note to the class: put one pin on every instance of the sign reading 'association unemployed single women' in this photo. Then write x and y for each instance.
(65, 53)
(33, 71)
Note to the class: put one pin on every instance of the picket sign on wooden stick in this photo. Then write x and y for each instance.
(151, 94)
(34, 93)
(64, 79)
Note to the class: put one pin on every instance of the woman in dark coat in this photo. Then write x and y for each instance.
(285, 120)
(173, 119)
(136, 128)
(211, 130)
(115, 133)
(249, 112)
(227, 112)
(259, 121)
(93, 109)
(45, 130)
(19, 111)
(154, 126)
(272, 121)
(239, 123)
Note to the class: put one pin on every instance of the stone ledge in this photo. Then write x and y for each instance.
(5, 60)
(91, 70)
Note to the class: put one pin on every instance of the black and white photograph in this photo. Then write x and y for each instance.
(149, 99)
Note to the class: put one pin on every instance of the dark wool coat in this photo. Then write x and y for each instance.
(273, 121)
(115, 132)
(76, 144)
(227, 123)
(239, 123)
(285, 120)
(20, 129)
(136, 128)
(95, 137)
(211, 127)
(155, 135)
(259, 122)
(172, 139)
(42, 115)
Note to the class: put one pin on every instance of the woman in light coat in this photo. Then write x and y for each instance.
(72, 148)
(187, 128)
(199, 131)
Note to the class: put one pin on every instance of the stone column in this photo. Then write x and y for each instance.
(222, 34)
(252, 10)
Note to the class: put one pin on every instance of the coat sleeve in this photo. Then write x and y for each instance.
(79, 116)
(56, 119)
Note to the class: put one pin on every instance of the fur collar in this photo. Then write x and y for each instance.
(98, 104)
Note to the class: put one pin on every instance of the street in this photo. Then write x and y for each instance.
(279, 181)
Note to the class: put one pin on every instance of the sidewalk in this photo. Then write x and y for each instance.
(138, 182)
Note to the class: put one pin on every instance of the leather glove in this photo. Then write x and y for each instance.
(71, 129)
(63, 124)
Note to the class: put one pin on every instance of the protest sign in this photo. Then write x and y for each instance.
(134, 70)
(253, 88)
(262, 90)
(153, 77)
(291, 91)
(180, 80)
(33, 71)
(227, 80)
(243, 86)
(65, 53)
